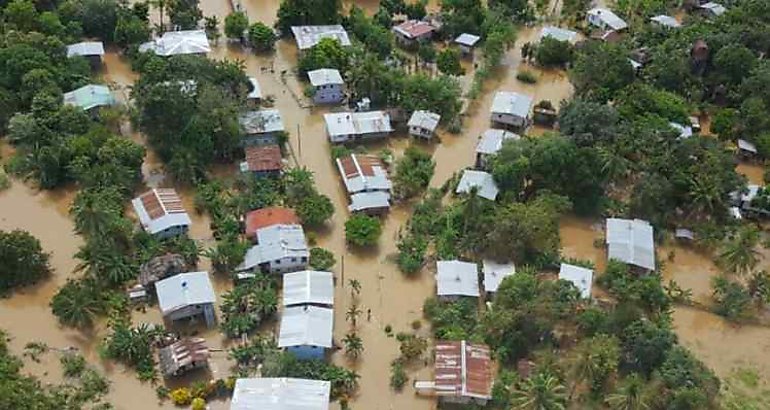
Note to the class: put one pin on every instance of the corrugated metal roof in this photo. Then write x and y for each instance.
(466, 39)
(160, 209)
(308, 287)
(178, 42)
(581, 277)
(483, 180)
(715, 8)
(414, 28)
(90, 96)
(560, 34)
(324, 76)
(512, 103)
(357, 123)
(492, 140)
(306, 326)
(262, 121)
(363, 201)
(457, 278)
(666, 21)
(463, 369)
(424, 119)
(747, 146)
(495, 272)
(308, 36)
(609, 18)
(363, 173)
(274, 243)
(280, 394)
(182, 353)
(631, 241)
(184, 289)
(86, 48)
(265, 217)
(261, 158)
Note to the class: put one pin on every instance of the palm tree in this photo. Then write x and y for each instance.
(582, 368)
(76, 304)
(541, 391)
(355, 287)
(352, 314)
(162, 5)
(354, 346)
(96, 211)
(629, 395)
(739, 254)
(104, 261)
(705, 194)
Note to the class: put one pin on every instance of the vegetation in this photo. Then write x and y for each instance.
(413, 173)
(236, 24)
(363, 230)
(247, 305)
(132, 346)
(22, 260)
(307, 13)
(448, 62)
(526, 77)
(261, 37)
(551, 52)
(321, 259)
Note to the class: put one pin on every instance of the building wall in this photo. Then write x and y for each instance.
(286, 265)
(508, 119)
(172, 231)
(354, 137)
(420, 132)
(329, 94)
(200, 312)
(266, 138)
(306, 352)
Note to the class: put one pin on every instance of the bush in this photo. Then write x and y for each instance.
(198, 404)
(398, 377)
(526, 77)
(72, 365)
(261, 37)
(181, 396)
(551, 52)
(413, 173)
(5, 182)
(411, 253)
(236, 24)
(321, 259)
(22, 260)
(363, 230)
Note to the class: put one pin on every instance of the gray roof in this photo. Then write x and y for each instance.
(369, 200)
(466, 39)
(581, 277)
(256, 90)
(86, 48)
(308, 287)
(558, 33)
(483, 180)
(260, 122)
(178, 42)
(306, 326)
(609, 18)
(631, 241)
(457, 278)
(184, 289)
(424, 119)
(357, 123)
(267, 393)
(276, 242)
(492, 140)
(324, 76)
(715, 8)
(160, 209)
(495, 272)
(509, 102)
(90, 96)
(308, 36)
(363, 173)
(666, 21)
(747, 146)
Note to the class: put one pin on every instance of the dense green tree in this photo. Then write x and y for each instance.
(97, 17)
(733, 63)
(416, 9)
(375, 37)
(630, 395)
(307, 12)
(731, 299)
(354, 345)
(551, 52)
(328, 53)
(261, 37)
(131, 30)
(236, 24)
(22, 260)
(321, 259)
(600, 70)
(541, 391)
(645, 345)
(185, 14)
(518, 9)
(21, 14)
(413, 173)
(448, 62)
(739, 254)
(363, 230)
(77, 304)
(247, 305)
(641, 100)
(411, 253)
(682, 372)
(596, 362)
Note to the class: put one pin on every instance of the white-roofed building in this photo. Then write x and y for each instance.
(684, 131)
(308, 287)
(466, 42)
(560, 34)
(261, 127)
(90, 97)
(255, 92)
(367, 183)
(306, 331)
(370, 203)
(280, 248)
(328, 86)
(456, 278)
(186, 296)
(712, 9)
(173, 43)
(490, 143)
(423, 124)
(347, 126)
(91, 50)
(511, 108)
(631, 241)
(666, 21)
(487, 188)
(746, 149)
(581, 277)
(494, 273)
(284, 393)
(605, 19)
(161, 213)
(308, 36)
(742, 199)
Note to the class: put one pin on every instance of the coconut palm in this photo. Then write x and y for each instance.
(352, 314)
(739, 254)
(629, 395)
(103, 261)
(76, 304)
(354, 346)
(542, 391)
(355, 287)
(162, 6)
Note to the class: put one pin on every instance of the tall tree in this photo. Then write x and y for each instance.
(541, 391)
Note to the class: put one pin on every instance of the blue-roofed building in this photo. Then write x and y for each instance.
(90, 97)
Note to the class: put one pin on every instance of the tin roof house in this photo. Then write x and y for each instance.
(560, 34)
(490, 143)
(183, 356)
(284, 393)
(161, 213)
(511, 109)
(267, 217)
(90, 97)
(666, 21)
(173, 43)
(631, 241)
(347, 126)
(261, 127)
(262, 160)
(308, 287)
(306, 331)
(456, 278)
(328, 86)
(494, 273)
(93, 51)
(482, 181)
(467, 42)
(187, 296)
(309, 36)
(280, 248)
(423, 124)
(605, 19)
(581, 277)
(366, 181)
(462, 373)
(410, 32)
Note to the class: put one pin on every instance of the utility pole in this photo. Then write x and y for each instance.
(299, 141)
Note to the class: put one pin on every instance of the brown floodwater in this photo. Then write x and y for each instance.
(755, 173)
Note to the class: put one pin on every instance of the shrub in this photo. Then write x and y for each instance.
(236, 24)
(363, 230)
(181, 396)
(526, 77)
(398, 377)
(198, 404)
(22, 260)
(321, 259)
(261, 37)
(551, 52)
(5, 182)
(73, 365)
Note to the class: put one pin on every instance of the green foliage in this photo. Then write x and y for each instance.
(307, 13)
(411, 253)
(448, 62)
(597, 359)
(280, 364)
(73, 365)
(354, 345)
(413, 173)
(363, 230)
(645, 345)
(642, 100)
(398, 376)
(738, 253)
(321, 259)
(312, 207)
(22, 260)
(643, 291)
(587, 122)
(542, 390)
(412, 347)
(527, 77)
(681, 373)
(601, 69)
(247, 305)
(551, 52)
(236, 24)
(132, 346)
(328, 53)
(78, 303)
(261, 37)
(452, 320)
(375, 37)
(731, 299)
(734, 63)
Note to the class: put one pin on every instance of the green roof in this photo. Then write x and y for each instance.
(89, 96)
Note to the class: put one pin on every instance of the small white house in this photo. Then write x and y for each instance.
(366, 181)
(187, 296)
(631, 241)
(511, 109)
(666, 21)
(161, 213)
(328, 86)
(494, 273)
(456, 278)
(560, 34)
(279, 249)
(581, 277)
(93, 51)
(350, 126)
(308, 36)
(308, 287)
(487, 188)
(255, 92)
(467, 42)
(490, 143)
(605, 19)
(173, 43)
(423, 124)
(261, 127)
(712, 9)
(284, 393)
(306, 331)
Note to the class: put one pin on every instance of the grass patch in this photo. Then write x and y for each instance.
(526, 77)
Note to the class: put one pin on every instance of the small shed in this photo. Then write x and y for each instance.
(581, 277)
(183, 356)
(161, 267)
(255, 93)
(173, 43)
(746, 149)
(308, 287)
(187, 296)
(306, 331)
(487, 188)
(463, 373)
(631, 241)
(456, 278)
(410, 32)
(328, 86)
(560, 34)
(495, 272)
(262, 160)
(467, 42)
(423, 124)
(711, 9)
(666, 21)
(284, 393)
(490, 143)
(683, 234)
(511, 109)
(93, 51)
(90, 97)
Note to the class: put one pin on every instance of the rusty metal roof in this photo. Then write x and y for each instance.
(182, 353)
(265, 217)
(160, 202)
(463, 369)
(263, 158)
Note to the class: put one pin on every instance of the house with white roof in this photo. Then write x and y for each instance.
(483, 181)
(90, 97)
(366, 181)
(308, 287)
(605, 19)
(91, 50)
(308, 36)
(173, 43)
(306, 331)
(494, 273)
(187, 296)
(350, 126)
(746, 149)
(261, 127)
(411, 32)
(327, 85)
(581, 277)
(631, 241)
(280, 248)
(456, 278)
(560, 34)
(280, 393)
(490, 143)
(467, 42)
(511, 109)
(423, 124)
(255, 92)
(666, 21)
(742, 199)
(712, 9)
(161, 213)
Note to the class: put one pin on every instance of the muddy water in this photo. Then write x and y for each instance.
(755, 173)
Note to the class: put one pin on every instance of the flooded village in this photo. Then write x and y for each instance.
(388, 306)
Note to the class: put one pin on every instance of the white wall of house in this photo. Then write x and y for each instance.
(420, 132)
(328, 93)
(509, 119)
(288, 264)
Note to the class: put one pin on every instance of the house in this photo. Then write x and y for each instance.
(261, 127)
(328, 86)
(456, 278)
(487, 188)
(490, 143)
(559, 34)
(666, 21)
(581, 277)
(631, 241)
(605, 19)
(511, 109)
(711, 9)
(161, 213)
(467, 42)
(366, 181)
(90, 97)
(684, 131)
(462, 373)
(684, 235)
(161, 267)
(280, 248)
(91, 50)
(746, 150)
(348, 126)
(173, 43)
(262, 160)
(280, 393)
(742, 199)
(267, 217)
(255, 93)
(183, 356)
(308, 287)
(411, 32)
(494, 273)
(306, 331)
(187, 296)
(308, 36)
(423, 124)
